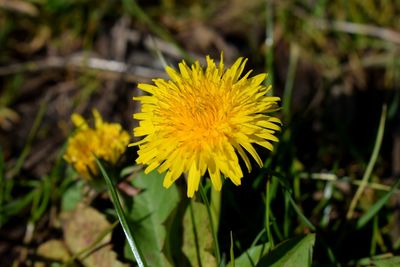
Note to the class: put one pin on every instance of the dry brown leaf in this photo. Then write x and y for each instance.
(19, 6)
(82, 228)
(52, 250)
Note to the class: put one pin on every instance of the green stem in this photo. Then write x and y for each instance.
(231, 253)
(31, 137)
(291, 76)
(269, 43)
(375, 229)
(213, 230)
(195, 234)
(215, 206)
(2, 185)
(267, 214)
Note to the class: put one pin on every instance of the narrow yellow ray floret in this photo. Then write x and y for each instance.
(200, 119)
(107, 141)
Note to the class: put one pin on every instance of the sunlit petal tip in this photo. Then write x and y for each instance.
(210, 62)
(258, 79)
(190, 194)
(98, 120)
(151, 167)
(269, 88)
(236, 180)
(167, 182)
(216, 180)
(79, 121)
(147, 87)
(275, 120)
(172, 73)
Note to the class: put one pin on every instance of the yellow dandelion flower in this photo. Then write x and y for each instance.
(107, 141)
(201, 118)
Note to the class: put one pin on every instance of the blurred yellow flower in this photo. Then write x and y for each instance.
(107, 141)
(199, 119)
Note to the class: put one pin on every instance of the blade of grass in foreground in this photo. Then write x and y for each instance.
(376, 207)
(371, 164)
(302, 217)
(121, 217)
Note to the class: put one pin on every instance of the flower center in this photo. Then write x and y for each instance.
(200, 117)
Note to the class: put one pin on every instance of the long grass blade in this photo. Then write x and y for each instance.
(371, 164)
(269, 43)
(31, 137)
(287, 95)
(268, 213)
(121, 217)
(376, 207)
(302, 217)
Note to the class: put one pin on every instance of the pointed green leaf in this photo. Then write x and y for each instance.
(251, 256)
(72, 196)
(291, 253)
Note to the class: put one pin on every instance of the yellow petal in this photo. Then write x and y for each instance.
(193, 179)
(79, 121)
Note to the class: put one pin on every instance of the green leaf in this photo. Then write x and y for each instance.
(72, 196)
(390, 262)
(291, 253)
(43, 199)
(150, 210)
(197, 236)
(251, 256)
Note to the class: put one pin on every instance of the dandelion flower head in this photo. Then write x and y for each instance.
(201, 119)
(106, 141)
